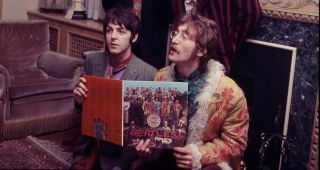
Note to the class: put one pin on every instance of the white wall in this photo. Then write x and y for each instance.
(17, 9)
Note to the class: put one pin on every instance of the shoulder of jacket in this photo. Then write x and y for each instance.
(141, 62)
(165, 74)
(164, 69)
(91, 54)
(228, 83)
(94, 56)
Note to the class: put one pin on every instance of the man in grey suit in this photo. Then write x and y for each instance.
(121, 27)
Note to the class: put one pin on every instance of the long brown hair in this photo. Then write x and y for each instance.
(206, 35)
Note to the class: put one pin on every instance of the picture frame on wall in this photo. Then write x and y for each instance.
(296, 10)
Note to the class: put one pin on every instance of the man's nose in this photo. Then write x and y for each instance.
(175, 39)
(114, 34)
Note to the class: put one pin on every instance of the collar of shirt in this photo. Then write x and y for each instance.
(196, 82)
(111, 70)
(194, 76)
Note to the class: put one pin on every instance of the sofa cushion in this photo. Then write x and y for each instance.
(33, 81)
(42, 105)
(51, 62)
(22, 43)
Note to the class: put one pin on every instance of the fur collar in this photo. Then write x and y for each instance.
(198, 123)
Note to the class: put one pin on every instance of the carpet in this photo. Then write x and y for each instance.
(33, 153)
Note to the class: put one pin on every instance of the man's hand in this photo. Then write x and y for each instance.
(80, 91)
(183, 157)
(142, 148)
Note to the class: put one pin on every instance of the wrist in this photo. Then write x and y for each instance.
(196, 156)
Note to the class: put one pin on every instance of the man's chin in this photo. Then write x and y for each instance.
(114, 52)
(172, 57)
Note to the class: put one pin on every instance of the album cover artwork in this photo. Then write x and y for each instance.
(124, 112)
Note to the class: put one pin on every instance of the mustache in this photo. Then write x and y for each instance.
(174, 49)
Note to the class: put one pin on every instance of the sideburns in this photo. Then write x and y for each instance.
(194, 53)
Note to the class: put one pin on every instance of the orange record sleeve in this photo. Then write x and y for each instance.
(102, 110)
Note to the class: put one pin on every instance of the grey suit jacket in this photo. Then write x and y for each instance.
(137, 69)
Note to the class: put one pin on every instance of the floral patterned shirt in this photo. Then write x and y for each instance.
(196, 82)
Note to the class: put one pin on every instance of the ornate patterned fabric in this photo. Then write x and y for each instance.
(196, 83)
(218, 131)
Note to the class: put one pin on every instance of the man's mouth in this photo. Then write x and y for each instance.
(113, 46)
(173, 50)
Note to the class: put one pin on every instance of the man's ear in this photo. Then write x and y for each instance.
(201, 52)
(135, 38)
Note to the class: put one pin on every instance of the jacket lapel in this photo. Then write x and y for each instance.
(131, 72)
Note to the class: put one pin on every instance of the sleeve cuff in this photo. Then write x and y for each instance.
(196, 164)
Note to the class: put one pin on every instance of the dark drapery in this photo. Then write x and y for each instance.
(235, 18)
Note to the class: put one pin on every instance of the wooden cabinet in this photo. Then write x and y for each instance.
(71, 37)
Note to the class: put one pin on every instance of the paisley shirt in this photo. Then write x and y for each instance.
(195, 82)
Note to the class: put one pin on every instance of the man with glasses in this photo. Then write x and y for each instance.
(218, 115)
(121, 27)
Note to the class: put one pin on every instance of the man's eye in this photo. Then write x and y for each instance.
(122, 31)
(185, 36)
(175, 33)
(108, 30)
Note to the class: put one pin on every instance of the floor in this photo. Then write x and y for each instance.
(65, 139)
